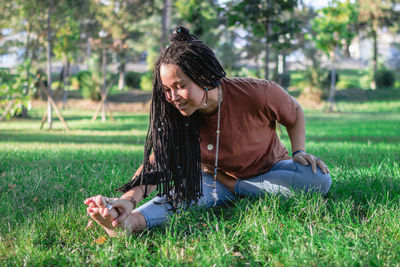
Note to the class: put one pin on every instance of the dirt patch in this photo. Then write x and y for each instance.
(130, 101)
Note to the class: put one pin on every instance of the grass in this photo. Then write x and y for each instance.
(46, 175)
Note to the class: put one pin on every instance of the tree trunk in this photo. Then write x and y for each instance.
(103, 89)
(65, 82)
(284, 63)
(375, 57)
(122, 70)
(88, 52)
(24, 112)
(331, 98)
(267, 44)
(49, 107)
(166, 18)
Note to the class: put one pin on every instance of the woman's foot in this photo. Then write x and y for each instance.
(98, 211)
(104, 221)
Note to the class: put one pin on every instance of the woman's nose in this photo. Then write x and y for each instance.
(174, 95)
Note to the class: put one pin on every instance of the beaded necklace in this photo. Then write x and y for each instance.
(214, 185)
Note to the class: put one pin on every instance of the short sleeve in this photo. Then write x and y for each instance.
(279, 105)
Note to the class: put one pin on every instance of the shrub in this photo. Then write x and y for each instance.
(283, 79)
(132, 79)
(326, 83)
(88, 85)
(146, 81)
(385, 79)
(347, 84)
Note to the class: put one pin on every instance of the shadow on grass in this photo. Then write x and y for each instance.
(76, 139)
(356, 139)
(360, 95)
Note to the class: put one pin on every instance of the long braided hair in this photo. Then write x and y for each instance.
(172, 137)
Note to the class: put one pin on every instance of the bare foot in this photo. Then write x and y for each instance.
(98, 211)
(104, 221)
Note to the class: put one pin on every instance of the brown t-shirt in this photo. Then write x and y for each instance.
(249, 144)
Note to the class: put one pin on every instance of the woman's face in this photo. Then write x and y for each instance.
(180, 90)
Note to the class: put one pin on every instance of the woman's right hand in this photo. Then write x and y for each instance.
(124, 208)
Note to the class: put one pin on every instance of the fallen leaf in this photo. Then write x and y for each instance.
(11, 186)
(101, 240)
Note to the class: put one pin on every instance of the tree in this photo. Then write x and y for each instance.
(373, 15)
(331, 31)
(202, 17)
(266, 19)
(121, 20)
(18, 18)
(166, 20)
(66, 48)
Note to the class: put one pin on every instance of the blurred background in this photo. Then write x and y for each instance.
(320, 51)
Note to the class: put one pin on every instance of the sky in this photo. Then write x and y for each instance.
(316, 3)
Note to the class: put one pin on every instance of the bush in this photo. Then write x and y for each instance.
(346, 84)
(385, 79)
(146, 81)
(326, 83)
(132, 79)
(283, 79)
(88, 85)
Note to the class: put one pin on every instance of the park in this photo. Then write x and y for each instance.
(76, 81)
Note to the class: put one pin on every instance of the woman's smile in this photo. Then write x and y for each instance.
(180, 106)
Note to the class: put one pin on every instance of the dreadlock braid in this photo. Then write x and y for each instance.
(172, 137)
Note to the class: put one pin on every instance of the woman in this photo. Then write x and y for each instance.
(210, 140)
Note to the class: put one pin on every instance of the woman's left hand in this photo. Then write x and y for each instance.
(305, 159)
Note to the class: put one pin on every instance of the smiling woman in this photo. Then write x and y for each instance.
(183, 93)
(211, 139)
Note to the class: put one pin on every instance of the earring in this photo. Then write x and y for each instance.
(206, 95)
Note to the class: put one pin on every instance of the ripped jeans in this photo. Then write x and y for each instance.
(284, 177)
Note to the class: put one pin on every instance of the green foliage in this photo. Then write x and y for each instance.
(89, 84)
(15, 89)
(331, 26)
(315, 77)
(146, 81)
(255, 15)
(67, 38)
(347, 84)
(385, 79)
(132, 79)
(283, 79)
(326, 82)
(317, 81)
(202, 18)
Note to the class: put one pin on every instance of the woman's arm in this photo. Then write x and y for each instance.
(127, 202)
(297, 136)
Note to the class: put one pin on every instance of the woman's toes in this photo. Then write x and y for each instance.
(104, 221)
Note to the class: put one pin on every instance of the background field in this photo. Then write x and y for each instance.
(45, 175)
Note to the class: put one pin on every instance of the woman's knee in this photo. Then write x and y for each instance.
(314, 182)
(325, 183)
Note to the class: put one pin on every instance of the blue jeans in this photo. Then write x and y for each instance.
(285, 177)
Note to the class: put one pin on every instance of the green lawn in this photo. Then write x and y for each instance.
(46, 175)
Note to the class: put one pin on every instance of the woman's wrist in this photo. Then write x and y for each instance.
(298, 151)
